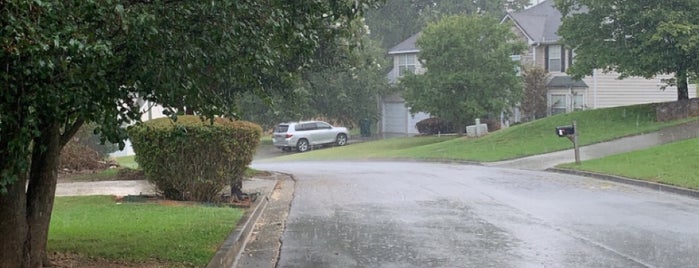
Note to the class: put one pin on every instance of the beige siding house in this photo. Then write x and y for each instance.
(538, 26)
(396, 117)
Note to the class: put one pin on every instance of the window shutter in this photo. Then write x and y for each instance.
(546, 58)
(563, 59)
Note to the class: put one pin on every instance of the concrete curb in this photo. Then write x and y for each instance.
(646, 184)
(229, 252)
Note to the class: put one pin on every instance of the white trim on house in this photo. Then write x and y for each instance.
(403, 52)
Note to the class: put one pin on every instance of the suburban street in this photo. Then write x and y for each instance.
(414, 214)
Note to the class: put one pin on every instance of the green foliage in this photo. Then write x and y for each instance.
(341, 85)
(397, 20)
(634, 38)
(434, 125)
(86, 136)
(191, 158)
(98, 227)
(533, 104)
(469, 70)
(70, 62)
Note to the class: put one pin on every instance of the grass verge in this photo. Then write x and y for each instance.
(674, 164)
(182, 235)
(531, 138)
(365, 150)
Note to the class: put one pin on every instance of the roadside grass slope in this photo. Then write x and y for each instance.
(674, 163)
(526, 139)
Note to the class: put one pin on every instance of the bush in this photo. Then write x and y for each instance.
(191, 159)
(434, 125)
(76, 156)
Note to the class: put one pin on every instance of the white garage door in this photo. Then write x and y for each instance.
(395, 117)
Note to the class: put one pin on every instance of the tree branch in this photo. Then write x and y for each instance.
(70, 130)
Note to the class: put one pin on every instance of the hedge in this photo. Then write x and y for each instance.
(193, 159)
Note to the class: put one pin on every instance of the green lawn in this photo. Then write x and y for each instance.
(127, 161)
(675, 164)
(517, 141)
(96, 226)
(365, 150)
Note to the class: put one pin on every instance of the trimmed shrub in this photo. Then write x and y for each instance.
(191, 159)
(434, 125)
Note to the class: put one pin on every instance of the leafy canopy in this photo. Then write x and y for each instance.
(341, 85)
(634, 38)
(469, 70)
(70, 62)
(398, 19)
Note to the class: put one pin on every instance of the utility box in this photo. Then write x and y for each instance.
(477, 130)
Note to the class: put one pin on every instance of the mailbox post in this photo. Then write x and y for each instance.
(571, 132)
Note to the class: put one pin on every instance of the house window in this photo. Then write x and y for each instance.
(554, 58)
(406, 64)
(558, 104)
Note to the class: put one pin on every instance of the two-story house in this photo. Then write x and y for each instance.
(538, 26)
(396, 117)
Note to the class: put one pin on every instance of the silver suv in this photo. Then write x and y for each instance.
(303, 135)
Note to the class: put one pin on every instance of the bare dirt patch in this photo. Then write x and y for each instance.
(72, 260)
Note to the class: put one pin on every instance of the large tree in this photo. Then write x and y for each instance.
(65, 63)
(533, 104)
(341, 85)
(469, 70)
(399, 19)
(634, 38)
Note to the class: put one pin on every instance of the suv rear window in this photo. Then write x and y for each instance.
(281, 128)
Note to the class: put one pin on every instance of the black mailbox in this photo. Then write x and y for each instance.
(565, 131)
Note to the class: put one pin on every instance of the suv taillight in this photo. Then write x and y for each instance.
(289, 135)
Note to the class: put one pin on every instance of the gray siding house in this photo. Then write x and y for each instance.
(396, 117)
(538, 26)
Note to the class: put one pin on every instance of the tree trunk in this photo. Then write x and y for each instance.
(41, 192)
(25, 211)
(682, 86)
(13, 226)
(14, 229)
(459, 126)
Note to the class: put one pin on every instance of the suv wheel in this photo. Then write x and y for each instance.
(341, 140)
(302, 145)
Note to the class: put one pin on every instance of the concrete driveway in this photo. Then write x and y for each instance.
(404, 214)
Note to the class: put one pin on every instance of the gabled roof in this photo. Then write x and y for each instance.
(539, 23)
(407, 46)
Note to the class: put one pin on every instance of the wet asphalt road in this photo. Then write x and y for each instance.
(409, 214)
